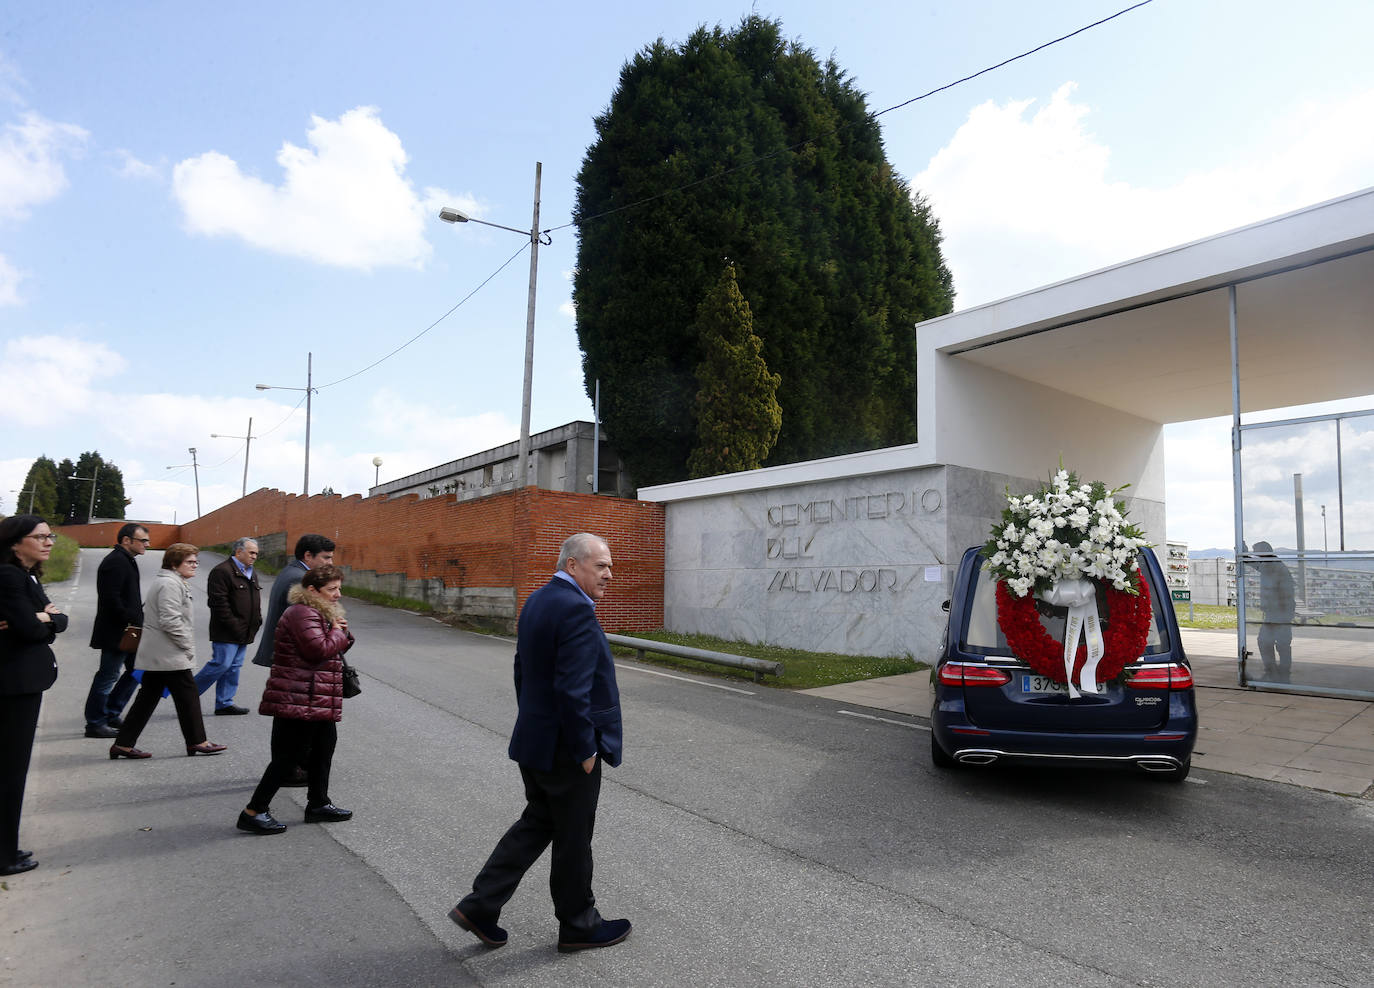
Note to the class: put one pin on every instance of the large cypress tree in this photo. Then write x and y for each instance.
(837, 258)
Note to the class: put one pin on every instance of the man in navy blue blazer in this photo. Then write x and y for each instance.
(568, 723)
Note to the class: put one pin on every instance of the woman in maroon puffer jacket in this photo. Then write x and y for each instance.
(304, 698)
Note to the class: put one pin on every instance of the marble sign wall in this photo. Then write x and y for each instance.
(856, 565)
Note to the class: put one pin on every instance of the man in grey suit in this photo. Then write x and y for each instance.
(311, 550)
(568, 723)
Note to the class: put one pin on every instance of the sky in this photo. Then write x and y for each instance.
(194, 197)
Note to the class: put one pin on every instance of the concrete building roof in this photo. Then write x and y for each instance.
(1305, 311)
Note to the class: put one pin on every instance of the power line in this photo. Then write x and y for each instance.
(436, 322)
(283, 421)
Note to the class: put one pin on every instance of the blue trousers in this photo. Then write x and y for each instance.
(110, 688)
(226, 659)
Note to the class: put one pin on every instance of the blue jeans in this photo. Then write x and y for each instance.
(226, 659)
(110, 688)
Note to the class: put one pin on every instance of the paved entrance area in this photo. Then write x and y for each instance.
(1310, 741)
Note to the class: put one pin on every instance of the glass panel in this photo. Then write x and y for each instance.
(1284, 466)
(1357, 476)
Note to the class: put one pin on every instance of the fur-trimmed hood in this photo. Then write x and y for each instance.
(332, 612)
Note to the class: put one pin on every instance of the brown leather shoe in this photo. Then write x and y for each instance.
(117, 752)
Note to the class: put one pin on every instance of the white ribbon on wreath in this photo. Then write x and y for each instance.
(1080, 597)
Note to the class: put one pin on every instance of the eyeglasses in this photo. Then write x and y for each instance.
(43, 537)
(144, 541)
(190, 562)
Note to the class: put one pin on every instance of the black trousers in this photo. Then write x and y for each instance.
(308, 743)
(18, 724)
(182, 685)
(560, 809)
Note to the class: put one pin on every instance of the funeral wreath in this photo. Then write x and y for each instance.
(1059, 546)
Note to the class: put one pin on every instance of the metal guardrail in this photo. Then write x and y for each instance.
(757, 666)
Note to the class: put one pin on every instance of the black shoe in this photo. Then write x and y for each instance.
(115, 722)
(19, 867)
(230, 711)
(22, 855)
(611, 931)
(298, 778)
(489, 933)
(328, 813)
(100, 731)
(263, 823)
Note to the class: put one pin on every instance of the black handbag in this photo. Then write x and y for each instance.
(351, 685)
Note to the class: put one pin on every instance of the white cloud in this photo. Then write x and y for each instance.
(132, 167)
(431, 433)
(436, 199)
(568, 308)
(10, 277)
(1025, 200)
(56, 380)
(343, 201)
(31, 153)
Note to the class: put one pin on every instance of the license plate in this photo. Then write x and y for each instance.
(1042, 684)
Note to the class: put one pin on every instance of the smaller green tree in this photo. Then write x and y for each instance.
(109, 489)
(39, 494)
(110, 501)
(738, 415)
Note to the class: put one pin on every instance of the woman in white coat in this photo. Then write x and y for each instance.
(167, 656)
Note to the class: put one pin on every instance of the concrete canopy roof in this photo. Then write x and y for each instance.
(1160, 325)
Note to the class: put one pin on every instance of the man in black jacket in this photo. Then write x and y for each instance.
(235, 600)
(118, 604)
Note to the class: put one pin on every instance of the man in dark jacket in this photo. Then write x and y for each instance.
(235, 600)
(568, 722)
(118, 604)
(1277, 601)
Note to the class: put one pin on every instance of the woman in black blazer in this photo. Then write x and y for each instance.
(28, 624)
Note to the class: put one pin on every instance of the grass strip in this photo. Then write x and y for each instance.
(801, 670)
(62, 563)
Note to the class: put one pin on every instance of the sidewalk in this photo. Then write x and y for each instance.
(1316, 742)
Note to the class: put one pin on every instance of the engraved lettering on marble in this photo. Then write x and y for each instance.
(845, 581)
(857, 507)
(790, 547)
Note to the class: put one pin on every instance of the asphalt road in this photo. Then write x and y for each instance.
(754, 837)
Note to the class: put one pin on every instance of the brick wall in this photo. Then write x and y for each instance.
(483, 556)
(104, 533)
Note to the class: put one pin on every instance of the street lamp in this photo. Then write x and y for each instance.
(309, 390)
(376, 476)
(1325, 549)
(451, 215)
(196, 470)
(90, 512)
(29, 492)
(248, 443)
